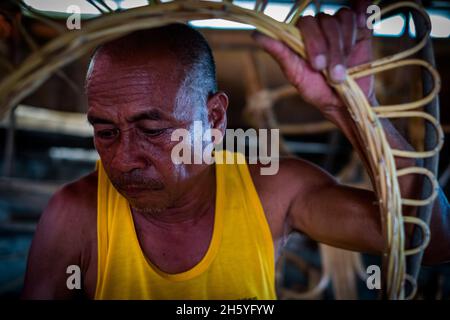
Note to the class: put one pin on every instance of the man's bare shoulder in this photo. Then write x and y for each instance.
(73, 206)
(81, 187)
(293, 176)
(79, 194)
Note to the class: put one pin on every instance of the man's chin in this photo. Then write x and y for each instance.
(154, 211)
(149, 207)
(145, 200)
(141, 195)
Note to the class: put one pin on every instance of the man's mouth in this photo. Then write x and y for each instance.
(133, 189)
(137, 189)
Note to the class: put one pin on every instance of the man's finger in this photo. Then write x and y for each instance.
(315, 42)
(360, 8)
(332, 30)
(362, 16)
(347, 18)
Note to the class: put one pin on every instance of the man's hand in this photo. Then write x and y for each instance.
(333, 43)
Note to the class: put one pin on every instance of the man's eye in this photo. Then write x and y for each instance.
(153, 132)
(107, 134)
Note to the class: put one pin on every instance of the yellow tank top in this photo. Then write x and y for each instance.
(239, 263)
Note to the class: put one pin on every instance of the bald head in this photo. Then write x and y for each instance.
(188, 56)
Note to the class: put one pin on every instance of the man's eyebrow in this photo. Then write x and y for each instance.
(98, 120)
(147, 115)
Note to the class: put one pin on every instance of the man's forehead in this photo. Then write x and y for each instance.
(132, 85)
(135, 79)
(106, 116)
(127, 92)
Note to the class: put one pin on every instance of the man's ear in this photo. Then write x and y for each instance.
(217, 111)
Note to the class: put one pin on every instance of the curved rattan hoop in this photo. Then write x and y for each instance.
(72, 45)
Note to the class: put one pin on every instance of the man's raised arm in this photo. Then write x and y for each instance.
(327, 211)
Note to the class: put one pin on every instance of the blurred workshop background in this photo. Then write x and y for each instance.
(46, 141)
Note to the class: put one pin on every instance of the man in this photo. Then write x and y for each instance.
(143, 227)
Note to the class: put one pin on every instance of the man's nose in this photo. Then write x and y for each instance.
(127, 156)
